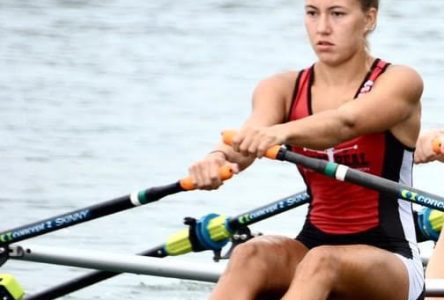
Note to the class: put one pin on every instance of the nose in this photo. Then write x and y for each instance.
(323, 24)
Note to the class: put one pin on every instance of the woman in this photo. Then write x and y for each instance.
(430, 147)
(351, 108)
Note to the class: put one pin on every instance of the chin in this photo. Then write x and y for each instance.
(330, 60)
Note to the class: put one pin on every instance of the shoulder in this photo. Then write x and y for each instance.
(403, 74)
(281, 83)
(404, 71)
(403, 80)
(274, 94)
(281, 78)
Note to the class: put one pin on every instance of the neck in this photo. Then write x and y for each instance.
(346, 72)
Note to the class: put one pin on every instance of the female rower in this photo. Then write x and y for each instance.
(351, 108)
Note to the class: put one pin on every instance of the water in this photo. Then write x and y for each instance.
(102, 98)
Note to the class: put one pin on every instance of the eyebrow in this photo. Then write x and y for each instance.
(330, 8)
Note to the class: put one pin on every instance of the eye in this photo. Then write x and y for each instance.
(338, 13)
(310, 12)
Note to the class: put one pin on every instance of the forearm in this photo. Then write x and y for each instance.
(328, 128)
(232, 156)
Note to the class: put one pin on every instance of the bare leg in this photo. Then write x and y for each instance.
(435, 266)
(263, 264)
(349, 272)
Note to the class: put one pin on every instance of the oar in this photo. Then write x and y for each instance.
(100, 210)
(216, 232)
(344, 173)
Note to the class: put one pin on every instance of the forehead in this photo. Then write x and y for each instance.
(333, 3)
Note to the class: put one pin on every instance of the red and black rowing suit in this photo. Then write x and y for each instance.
(344, 213)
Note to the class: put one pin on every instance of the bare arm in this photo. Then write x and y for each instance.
(393, 104)
(270, 106)
(271, 101)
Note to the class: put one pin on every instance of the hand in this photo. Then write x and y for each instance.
(205, 173)
(255, 141)
(424, 147)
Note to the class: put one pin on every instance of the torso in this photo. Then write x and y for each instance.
(340, 208)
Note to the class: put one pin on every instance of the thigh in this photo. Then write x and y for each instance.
(268, 261)
(367, 272)
(435, 265)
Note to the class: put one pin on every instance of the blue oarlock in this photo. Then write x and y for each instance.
(203, 234)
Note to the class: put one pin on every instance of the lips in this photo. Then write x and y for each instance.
(324, 46)
(324, 43)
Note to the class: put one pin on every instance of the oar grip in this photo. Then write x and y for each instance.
(228, 135)
(273, 152)
(437, 145)
(225, 172)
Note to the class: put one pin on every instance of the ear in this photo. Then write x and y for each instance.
(371, 19)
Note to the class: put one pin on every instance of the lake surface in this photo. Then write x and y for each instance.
(102, 98)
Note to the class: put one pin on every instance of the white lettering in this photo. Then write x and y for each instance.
(71, 218)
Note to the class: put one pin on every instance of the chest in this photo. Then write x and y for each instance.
(325, 98)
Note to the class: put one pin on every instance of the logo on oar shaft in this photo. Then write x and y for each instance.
(35, 229)
(422, 199)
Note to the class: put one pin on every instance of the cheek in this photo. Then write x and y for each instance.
(354, 36)
(359, 30)
(350, 44)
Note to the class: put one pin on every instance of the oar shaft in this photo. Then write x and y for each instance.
(231, 224)
(102, 209)
(71, 286)
(269, 210)
(344, 173)
(87, 214)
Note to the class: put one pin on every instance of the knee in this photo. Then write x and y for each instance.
(253, 255)
(246, 252)
(321, 263)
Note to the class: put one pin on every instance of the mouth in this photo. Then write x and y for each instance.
(324, 43)
(324, 46)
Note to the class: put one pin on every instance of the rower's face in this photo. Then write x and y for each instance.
(337, 28)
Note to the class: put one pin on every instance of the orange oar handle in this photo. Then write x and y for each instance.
(437, 145)
(225, 172)
(228, 136)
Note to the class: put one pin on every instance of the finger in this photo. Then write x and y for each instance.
(234, 168)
